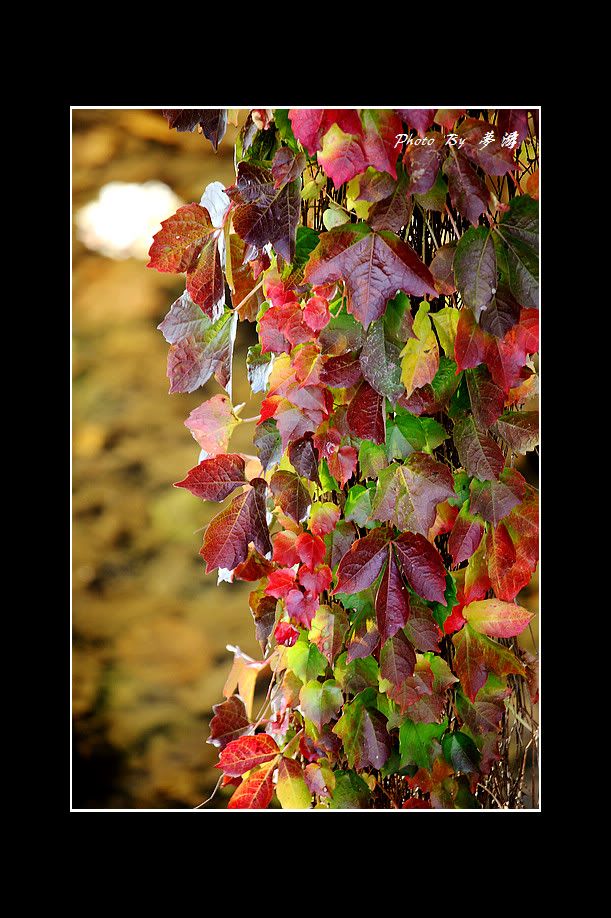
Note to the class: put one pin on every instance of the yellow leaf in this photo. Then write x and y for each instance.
(446, 323)
(420, 356)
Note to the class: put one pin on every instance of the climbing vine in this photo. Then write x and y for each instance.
(389, 261)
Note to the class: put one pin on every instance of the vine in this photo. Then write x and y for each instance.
(389, 260)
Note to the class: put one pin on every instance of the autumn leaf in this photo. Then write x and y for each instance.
(187, 242)
(397, 662)
(475, 269)
(392, 600)
(422, 565)
(407, 495)
(229, 722)
(213, 121)
(265, 214)
(380, 127)
(493, 500)
(466, 535)
(519, 430)
(487, 399)
(229, 533)
(291, 788)
(291, 494)
(256, 792)
(519, 230)
(247, 752)
(419, 119)
(478, 453)
(362, 563)
(216, 478)
(422, 163)
(311, 125)
(467, 192)
(363, 733)
(420, 356)
(477, 655)
(212, 424)
(366, 417)
(374, 267)
(496, 618)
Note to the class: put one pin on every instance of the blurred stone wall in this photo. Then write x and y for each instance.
(150, 629)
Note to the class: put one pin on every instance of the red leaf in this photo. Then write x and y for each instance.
(323, 518)
(471, 343)
(478, 453)
(476, 656)
(310, 125)
(493, 500)
(291, 495)
(343, 371)
(381, 127)
(366, 416)
(315, 582)
(228, 535)
(467, 192)
(415, 803)
(392, 601)
(255, 793)
(419, 119)
(287, 166)
(397, 660)
(229, 722)
(316, 313)
(310, 549)
(487, 399)
(422, 565)
(177, 245)
(465, 536)
(342, 156)
(280, 582)
(265, 214)
(284, 549)
(407, 495)
(304, 458)
(301, 607)
(216, 478)
(187, 242)
(342, 464)
(286, 634)
(422, 163)
(282, 327)
(254, 568)
(493, 158)
(373, 265)
(212, 423)
(247, 752)
(362, 563)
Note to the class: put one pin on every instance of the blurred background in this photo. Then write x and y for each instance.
(150, 629)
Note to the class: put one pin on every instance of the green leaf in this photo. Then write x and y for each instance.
(421, 433)
(420, 356)
(327, 480)
(284, 129)
(305, 660)
(446, 323)
(358, 505)
(350, 793)
(461, 752)
(419, 744)
(320, 702)
(440, 613)
(519, 230)
(364, 735)
(372, 458)
(435, 197)
(354, 677)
